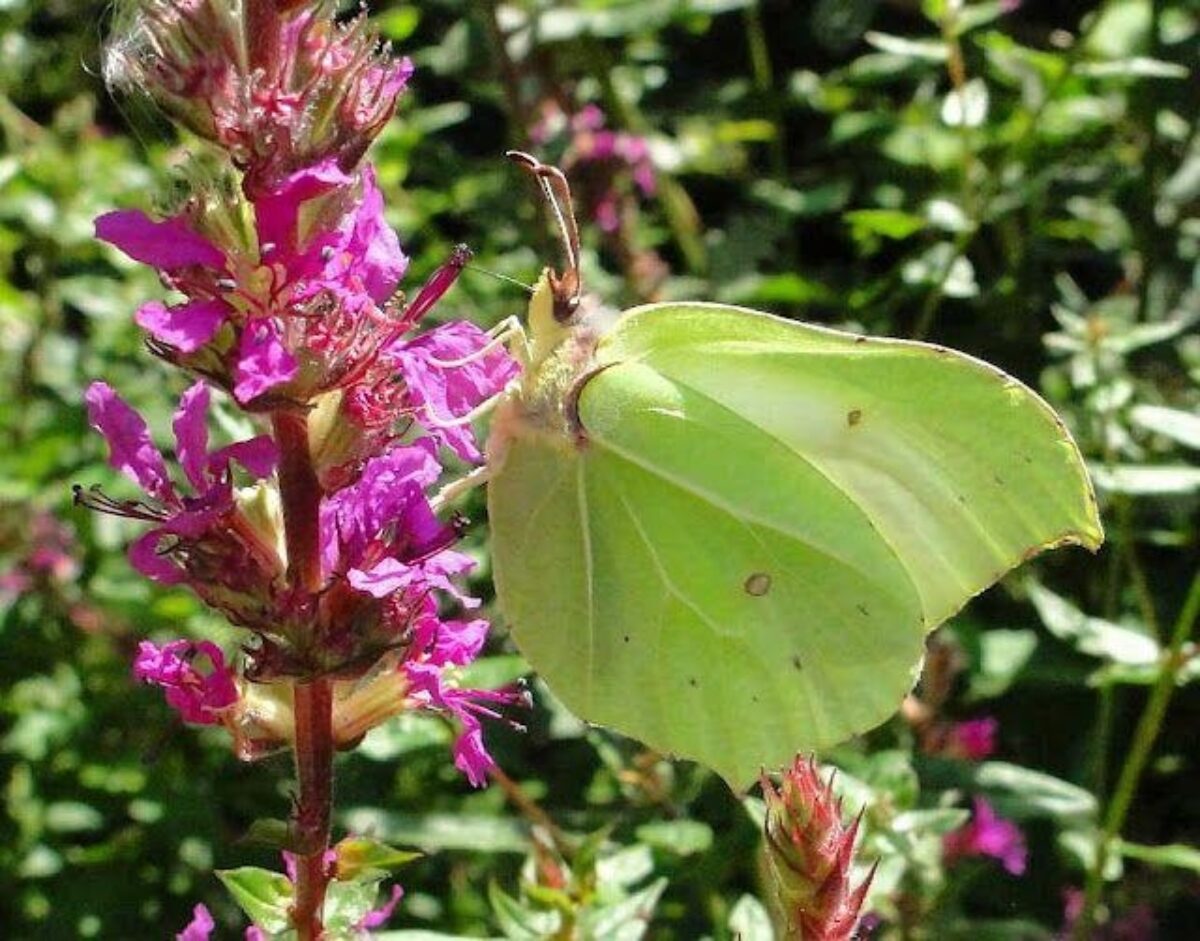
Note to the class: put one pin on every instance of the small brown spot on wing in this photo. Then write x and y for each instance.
(853, 417)
(796, 662)
(757, 584)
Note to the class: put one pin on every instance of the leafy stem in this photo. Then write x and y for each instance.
(1144, 737)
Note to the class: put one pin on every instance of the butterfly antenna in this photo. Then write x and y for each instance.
(557, 193)
(527, 288)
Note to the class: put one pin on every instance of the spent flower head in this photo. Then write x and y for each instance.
(279, 87)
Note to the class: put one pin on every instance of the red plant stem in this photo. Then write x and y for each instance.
(300, 492)
(314, 803)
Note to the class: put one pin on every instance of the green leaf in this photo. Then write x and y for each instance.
(749, 920)
(72, 817)
(432, 832)
(1135, 67)
(927, 50)
(270, 832)
(519, 923)
(263, 895)
(1173, 423)
(1093, 636)
(1022, 793)
(1177, 855)
(681, 837)
(938, 821)
(494, 672)
(346, 903)
(1165, 480)
(357, 855)
(626, 867)
(1003, 654)
(889, 223)
(626, 919)
(408, 732)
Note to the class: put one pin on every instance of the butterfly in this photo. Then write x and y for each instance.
(727, 534)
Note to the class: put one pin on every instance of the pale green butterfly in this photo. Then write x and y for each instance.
(727, 534)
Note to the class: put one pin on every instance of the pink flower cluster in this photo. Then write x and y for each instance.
(597, 156)
(987, 834)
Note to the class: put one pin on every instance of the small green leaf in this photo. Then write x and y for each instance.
(474, 832)
(938, 821)
(356, 855)
(273, 833)
(1166, 480)
(263, 895)
(1178, 855)
(749, 920)
(517, 922)
(72, 817)
(626, 867)
(1093, 636)
(681, 837)
(888, 223)
(1172, 423)
(626, 920)
(1024, 793)
(927, 50)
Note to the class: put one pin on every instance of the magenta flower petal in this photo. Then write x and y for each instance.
(258, 455)
(200, 928)
(378, 259)
(131, 451)
(443, 395)
(471, 756)
(988, 835)
(186, 327)
(167, 245)
(191, 434)
(387, 576)
(263, 362)
(378, 917)
(145, 557)
(277, 213)
(390, 492)
(197, 697)
(973, 740)
(459, 642)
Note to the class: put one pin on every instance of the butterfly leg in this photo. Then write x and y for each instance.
(456, 488)
(508, 332)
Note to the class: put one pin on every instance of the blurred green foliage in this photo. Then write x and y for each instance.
(1018, 182)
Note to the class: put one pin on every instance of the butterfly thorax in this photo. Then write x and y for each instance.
(561, 355)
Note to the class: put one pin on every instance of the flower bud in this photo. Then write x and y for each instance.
(810, 852)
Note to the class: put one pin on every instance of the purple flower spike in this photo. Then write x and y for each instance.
(199, 698)
(200, 928)
(988, 835)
